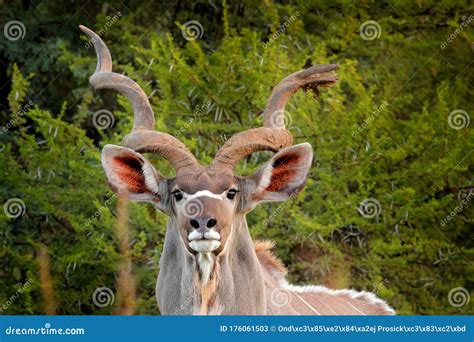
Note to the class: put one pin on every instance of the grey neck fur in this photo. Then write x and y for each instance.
(240, 287)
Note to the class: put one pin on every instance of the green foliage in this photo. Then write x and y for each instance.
(381, 133)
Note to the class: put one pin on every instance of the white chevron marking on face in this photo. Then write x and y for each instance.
(207, 193)
(210, 235)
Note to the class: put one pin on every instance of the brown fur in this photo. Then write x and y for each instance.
(251, 275)
(208, 291)
(280, 179)
(267, 258)
(310, 302)
(282, 172)
(129, 170)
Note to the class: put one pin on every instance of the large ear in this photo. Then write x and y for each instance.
(130, 171)
(283, 175)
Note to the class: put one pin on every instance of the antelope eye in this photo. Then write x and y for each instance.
(231, 193)
(178, 196)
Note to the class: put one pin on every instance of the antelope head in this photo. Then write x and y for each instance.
(204, 201)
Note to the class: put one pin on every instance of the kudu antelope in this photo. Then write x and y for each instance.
(209, 264)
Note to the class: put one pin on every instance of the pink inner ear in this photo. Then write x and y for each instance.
(283, 172)
(129, 171)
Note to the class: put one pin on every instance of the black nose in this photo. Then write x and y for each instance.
(203, 222)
